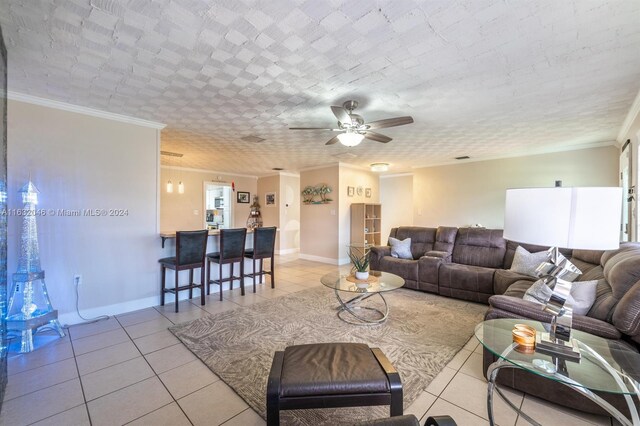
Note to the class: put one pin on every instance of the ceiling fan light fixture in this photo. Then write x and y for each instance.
(379, 167)
(350, 138)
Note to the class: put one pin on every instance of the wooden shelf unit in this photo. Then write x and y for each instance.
(366, 220)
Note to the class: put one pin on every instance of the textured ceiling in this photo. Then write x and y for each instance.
(480, 78)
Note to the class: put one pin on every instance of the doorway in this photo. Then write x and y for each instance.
(218, 209)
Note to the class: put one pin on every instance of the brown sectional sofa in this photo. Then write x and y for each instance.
(449, 261)
(473, 264)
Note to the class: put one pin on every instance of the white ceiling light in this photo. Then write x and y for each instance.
(379, 167)
(350, 138)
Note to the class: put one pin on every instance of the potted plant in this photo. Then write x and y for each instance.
(361, 265)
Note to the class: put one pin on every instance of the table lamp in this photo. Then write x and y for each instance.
(574, 218)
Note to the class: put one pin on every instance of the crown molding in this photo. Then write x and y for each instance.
(187, 169)
(633, 113)
(21, 97)
(289, 174)
(523, 154)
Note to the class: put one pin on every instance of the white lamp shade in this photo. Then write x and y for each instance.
(350, 138)
(576, 218)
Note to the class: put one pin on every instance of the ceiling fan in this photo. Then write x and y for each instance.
(353, 128)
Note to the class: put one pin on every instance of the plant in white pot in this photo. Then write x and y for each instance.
(361, 265)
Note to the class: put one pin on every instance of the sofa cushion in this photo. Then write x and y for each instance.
(445, 238)
(400, 249)
(465, 281)
(503, 279)
(526, 263)
(519, 288)
(479, 247)
(405, 268)
(422, 239)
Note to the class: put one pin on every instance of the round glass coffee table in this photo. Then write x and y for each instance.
(605, 366)
(378, 283)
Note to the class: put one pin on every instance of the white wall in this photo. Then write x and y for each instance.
(289, 202)
(83, 162)
(473, 193)
(396, 197)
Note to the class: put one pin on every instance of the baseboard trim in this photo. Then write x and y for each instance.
(319, 259)
(288, 251)
(71, 318)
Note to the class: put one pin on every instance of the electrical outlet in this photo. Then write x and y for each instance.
(77, 279)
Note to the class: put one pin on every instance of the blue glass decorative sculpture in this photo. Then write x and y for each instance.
(29, 305)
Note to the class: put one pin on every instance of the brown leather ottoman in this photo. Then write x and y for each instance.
(327, 375)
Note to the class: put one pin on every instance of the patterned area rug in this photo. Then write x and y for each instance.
(423, 332)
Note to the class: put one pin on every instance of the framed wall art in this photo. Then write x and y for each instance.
(243, 197)
(270, 199)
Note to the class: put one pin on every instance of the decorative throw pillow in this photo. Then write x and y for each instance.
(584, 296)
(526, 263)
(401, 248)
(581, 297)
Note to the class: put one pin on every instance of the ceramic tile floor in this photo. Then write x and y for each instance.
(131, 370)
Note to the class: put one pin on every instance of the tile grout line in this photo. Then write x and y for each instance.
(84, 397)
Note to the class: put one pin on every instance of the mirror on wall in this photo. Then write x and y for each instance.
(218, 209)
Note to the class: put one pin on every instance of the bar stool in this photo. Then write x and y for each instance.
(264, 241)
(191, 247)
(231, 251)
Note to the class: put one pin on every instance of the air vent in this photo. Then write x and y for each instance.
(277, 169)
(171, 154)
(252, 139)
(464, 157)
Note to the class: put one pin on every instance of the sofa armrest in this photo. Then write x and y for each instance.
(445, 255)
(376, 254)
(512, 307)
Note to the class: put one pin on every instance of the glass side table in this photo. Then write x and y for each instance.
(605, 366)
(378, 283)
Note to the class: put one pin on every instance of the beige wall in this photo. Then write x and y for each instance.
(289, 213)
(319, 226)
(396, 197)
(357, 178)
(184, 212)
(471, 193)
(270, 214)
(83, 162)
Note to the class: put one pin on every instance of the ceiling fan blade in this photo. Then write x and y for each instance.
(309, 128)
(377, 137)
(390, 122)
(341, 114)
(332, 140)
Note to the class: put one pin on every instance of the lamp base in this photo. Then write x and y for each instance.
(558, 348)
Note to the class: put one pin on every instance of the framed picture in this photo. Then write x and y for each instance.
(350, 191)
(243, 197)
(367, 192)
(270, 199)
